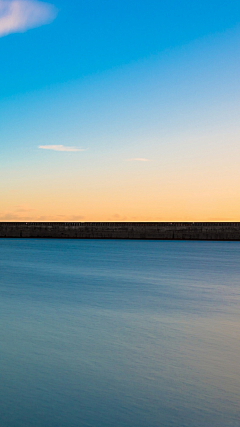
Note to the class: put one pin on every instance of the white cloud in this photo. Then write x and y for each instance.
(17, 16)
(138, 159)
(60, 148)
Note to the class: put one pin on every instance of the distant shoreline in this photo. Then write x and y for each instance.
(225, 231)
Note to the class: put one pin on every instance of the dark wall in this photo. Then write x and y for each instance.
(123, 230)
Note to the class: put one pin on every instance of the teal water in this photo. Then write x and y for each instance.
(119, 333)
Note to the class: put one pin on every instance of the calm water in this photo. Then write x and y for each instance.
(119, 333)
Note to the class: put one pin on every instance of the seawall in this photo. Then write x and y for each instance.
(122, 230)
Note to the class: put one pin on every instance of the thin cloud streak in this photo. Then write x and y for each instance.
(138, 159)
(61, 148)
(17, 16)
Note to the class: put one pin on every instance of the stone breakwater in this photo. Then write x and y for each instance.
(122, 230)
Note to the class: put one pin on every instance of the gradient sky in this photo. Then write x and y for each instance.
(120, 110)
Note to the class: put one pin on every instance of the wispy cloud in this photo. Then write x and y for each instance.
(60, 148)
(117, 217)
(138, 159)
(28, 217)
(17, 16)
(23, 209)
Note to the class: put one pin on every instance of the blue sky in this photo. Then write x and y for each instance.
(93, 36)
(134, 103)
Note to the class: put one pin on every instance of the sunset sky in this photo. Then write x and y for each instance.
(120, 110)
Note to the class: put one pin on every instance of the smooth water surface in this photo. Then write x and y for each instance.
(100, 333)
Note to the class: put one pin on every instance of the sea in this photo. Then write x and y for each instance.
(119, 333)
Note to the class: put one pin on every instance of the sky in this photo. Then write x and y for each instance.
(114, 110)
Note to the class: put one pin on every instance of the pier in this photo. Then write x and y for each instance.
(122, 230)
